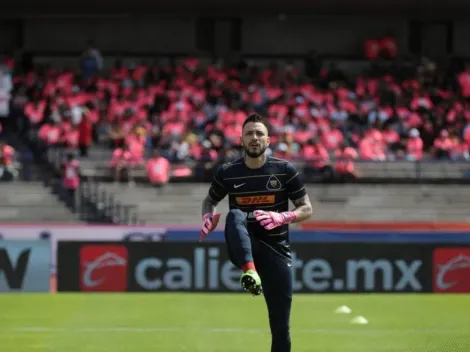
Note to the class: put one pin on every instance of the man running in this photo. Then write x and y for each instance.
(257, 225)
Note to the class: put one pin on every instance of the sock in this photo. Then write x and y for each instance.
(248, 266)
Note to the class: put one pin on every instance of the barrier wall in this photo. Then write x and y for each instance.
(153, 259)
(317, 268)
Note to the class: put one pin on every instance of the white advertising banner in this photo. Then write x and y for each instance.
(69, 232)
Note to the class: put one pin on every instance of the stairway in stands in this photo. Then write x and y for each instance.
(33, 197)
(31, 202)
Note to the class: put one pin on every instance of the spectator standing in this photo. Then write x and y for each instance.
(71, 177)
(5, 90)
(85, 135)
(158, 169)
(91, 61)
(7, 167)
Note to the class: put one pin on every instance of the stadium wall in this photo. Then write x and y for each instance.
(158, 259)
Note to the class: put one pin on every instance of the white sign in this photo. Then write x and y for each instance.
(57, 233)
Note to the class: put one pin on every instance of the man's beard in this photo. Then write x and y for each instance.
(256, 154)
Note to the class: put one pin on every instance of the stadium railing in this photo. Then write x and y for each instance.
(92, 202)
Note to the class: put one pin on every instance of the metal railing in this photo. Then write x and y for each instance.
(95, 204)
(91, 201)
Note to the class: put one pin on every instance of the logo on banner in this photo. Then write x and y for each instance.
(14, 270)
(103, 268)
(24, 266)
(451, 270)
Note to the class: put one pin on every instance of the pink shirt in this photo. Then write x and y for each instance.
(344, 162)
(414, 147)
(71, 138)
(315, 157)
(391, 136)
(466, 135)
(158, 170)
(332, 139)
(71, 177)
(7, 153)
(50, 134)
(121, 156)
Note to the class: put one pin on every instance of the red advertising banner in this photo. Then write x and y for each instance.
(451, 270)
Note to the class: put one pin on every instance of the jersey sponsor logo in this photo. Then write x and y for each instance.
(269, 199)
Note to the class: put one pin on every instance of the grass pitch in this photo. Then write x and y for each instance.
(230, 323)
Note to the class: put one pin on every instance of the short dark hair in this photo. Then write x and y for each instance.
(254, 118)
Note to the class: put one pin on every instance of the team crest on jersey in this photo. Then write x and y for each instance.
(273, 183)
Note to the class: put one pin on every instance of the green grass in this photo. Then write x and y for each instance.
(229, 323)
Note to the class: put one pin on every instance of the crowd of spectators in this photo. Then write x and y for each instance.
(191, 112)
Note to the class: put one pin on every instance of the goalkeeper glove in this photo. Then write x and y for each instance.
(270, 219)
(210, 222)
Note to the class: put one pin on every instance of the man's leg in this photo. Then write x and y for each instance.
(239, 250)
(276, 276)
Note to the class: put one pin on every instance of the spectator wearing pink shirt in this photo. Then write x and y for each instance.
(35, 111)
(122, 162)
(70, 170)
(466, 135)
(443, 146)
(331, 137)
(116, 135)
(71, 137)
(414, 146)
(371, 148)
(158, 169)
(344, 163)
(50, 134)
(136, 144)
(7, 155)
(317, 161)
(391, 138)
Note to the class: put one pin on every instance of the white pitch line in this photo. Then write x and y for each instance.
(32, 329)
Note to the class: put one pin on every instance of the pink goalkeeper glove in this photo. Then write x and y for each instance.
(270, 219)
(209, 224)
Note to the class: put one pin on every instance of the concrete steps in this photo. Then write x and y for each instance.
(181, 203)
(31, 202)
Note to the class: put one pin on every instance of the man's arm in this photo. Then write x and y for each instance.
(217, 192)
(297, 194)
(303, 208)
(208, 205)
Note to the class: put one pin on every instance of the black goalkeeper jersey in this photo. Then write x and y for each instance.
(267, 188)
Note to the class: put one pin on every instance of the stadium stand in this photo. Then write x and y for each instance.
(383, 115)
(379, 122)
(31, 202)
(330, 202)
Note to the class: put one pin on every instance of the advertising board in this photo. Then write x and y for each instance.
(319, 268)
(55, 233)
(24, 266)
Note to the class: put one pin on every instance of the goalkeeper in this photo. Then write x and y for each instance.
(257, 226)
